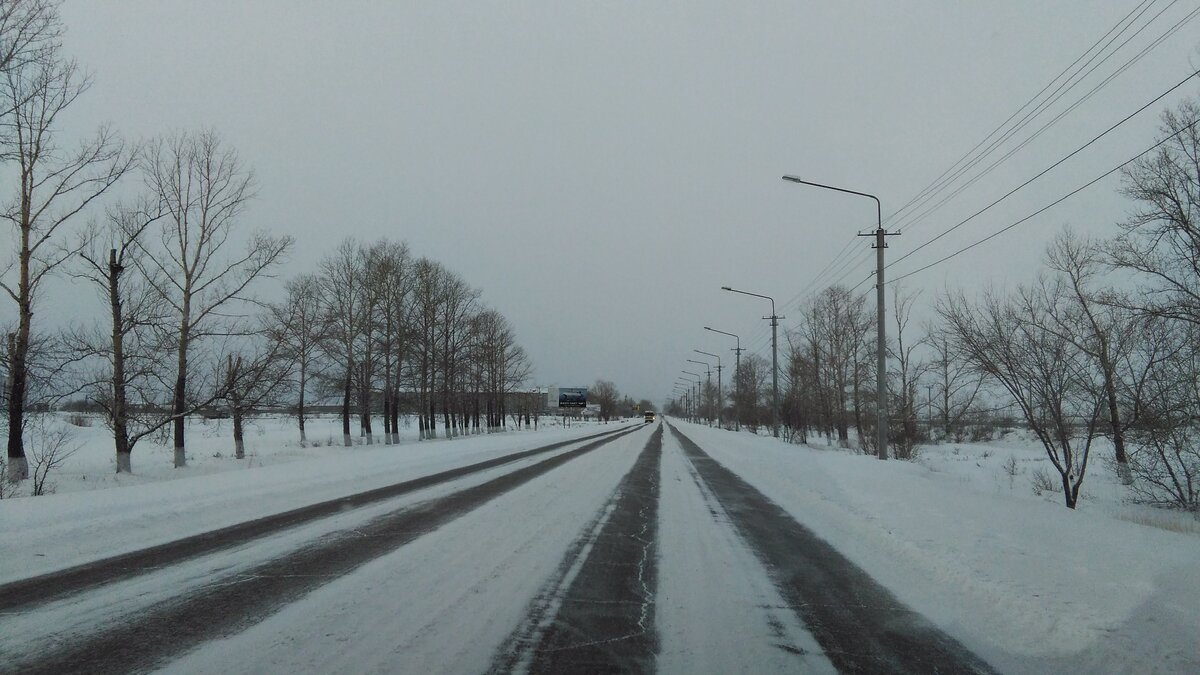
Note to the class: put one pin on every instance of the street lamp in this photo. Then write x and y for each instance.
(699, 379)
(737, 366)
(880, 235)
(708, 370)
(774, 356)
(687, 384)
(720, 396)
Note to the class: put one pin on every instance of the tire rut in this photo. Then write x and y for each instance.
(597, 614)
(860, 625)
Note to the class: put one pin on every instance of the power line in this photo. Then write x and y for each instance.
(1045, 208)
(1133, 60)
(1050, 168)
(938, 184)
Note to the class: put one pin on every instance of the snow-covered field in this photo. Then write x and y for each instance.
(1016, 577)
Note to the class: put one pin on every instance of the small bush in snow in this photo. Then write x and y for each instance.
(49, 447)
(1011, 468)
(1043, 482)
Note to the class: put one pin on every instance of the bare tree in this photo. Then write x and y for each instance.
(835, 327)
(954, 382)
(299, 326)
(1102, 330)
(202, 187)
(126, 385)
(604, 393)
(55, 183)
(751, 378)
(1050, 380)
(1161, 241)
(459, 303)
(1164, 442)
(28, 30)
(51, 446)
(391, 280)
(256, 372)
(908, 372)
(343, 279)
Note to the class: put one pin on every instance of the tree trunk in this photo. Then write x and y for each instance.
(119, 411)
(364, 401)
(18, 465)
(179, 400)
(1118, 433)
(346, 386)
(396, 411)
(18, 348)
(239, 447)
(300, 401)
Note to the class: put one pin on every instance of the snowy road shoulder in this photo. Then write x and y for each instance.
(1027, 584)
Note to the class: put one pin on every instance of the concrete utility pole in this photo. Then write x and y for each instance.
(720, 396)
(880, 234)
(774, 319)
(707, 388)
(687, 384)
(737, 367)
(699, 398)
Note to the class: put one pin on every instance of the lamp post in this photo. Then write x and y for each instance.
(720, 396)
(708, 387)
(699, 379)
(689, 387)
(737, 365)
(774, 356)
(880, 234)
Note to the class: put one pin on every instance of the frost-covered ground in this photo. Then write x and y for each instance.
(1016, 577)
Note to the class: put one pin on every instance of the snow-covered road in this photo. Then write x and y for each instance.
(648, 548)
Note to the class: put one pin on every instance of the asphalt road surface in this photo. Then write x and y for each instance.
(627, 551)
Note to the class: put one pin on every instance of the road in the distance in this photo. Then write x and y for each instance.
(633, 552)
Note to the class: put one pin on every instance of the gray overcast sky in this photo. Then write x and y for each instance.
(601, 169)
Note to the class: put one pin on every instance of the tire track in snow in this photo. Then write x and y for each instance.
(597, 613)
(228, 606)
(22, 594)
(859, 624)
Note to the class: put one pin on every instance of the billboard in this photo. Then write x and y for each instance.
(572, 397)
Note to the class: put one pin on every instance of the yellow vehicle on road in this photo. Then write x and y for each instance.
(649, 416)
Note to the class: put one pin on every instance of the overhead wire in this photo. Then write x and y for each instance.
(1052, 204)
(936, 185)
(1045, 171)
(1129, 63)
(849, 264)
(1073, 79)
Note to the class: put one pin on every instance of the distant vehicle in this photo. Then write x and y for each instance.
(649, 416)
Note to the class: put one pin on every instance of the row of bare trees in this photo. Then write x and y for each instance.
(179, 272)
(385, 329)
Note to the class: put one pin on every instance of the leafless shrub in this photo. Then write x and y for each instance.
(49, 447)
(1042, 482)
(1011, 468)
